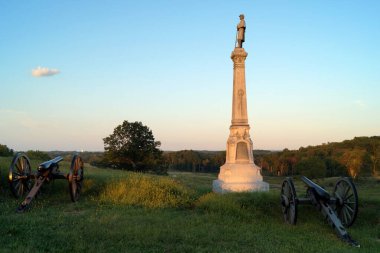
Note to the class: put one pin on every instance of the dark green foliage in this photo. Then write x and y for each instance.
(131, 146)
(366, 166)
(357, 157)
(334, 168)
(38, 155)
(312, 167)
(5, 151)
(195, 161)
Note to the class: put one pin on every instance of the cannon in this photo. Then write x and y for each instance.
(339, 209)
(21, 177)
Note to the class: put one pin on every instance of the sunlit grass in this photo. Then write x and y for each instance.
(147, 191)
(121, 211)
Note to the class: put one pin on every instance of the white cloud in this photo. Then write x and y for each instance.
(41, 72)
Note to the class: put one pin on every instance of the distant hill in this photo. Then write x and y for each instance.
(357, 157)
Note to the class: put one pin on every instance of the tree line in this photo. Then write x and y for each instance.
(32, 154)
(357, 157)
(194, 161)
(132, 147)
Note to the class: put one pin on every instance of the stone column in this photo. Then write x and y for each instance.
(239, 173)
(239, 98)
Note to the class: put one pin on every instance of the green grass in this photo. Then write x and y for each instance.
(127, 212)
(146, 191)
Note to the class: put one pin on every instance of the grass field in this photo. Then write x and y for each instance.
(126, 212)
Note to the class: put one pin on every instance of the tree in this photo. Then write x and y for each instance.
(313, 167)
(373, 148)
(5, 151)
(37, 155)
(335, 168)
(353, 159)
(132, 146)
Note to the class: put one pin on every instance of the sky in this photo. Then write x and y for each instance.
(71, 71)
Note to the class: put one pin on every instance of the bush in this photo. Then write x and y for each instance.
(147, 191)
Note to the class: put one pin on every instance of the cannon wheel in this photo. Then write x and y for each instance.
(76, 178)
(346, 205)
(19, 176)
(289, 201)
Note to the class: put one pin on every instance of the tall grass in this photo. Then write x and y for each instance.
(147, 191)
(240, 205)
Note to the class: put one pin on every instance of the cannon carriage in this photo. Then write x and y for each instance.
(21, 177)
(340, 209)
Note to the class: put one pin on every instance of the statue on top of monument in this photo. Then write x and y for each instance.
(240, 36)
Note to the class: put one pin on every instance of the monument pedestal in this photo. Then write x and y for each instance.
(239, 173)
(239, 178)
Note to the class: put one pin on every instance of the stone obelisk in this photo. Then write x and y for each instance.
(239, 173)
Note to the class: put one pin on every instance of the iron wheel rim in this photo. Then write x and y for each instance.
(76, 178)
(289, 201)
(347, 205)
(19, 176)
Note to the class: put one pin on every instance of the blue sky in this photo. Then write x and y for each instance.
(313, 71)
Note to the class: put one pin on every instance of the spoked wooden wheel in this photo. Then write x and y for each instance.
(346, 201)
(289, 201)
(76, 178)
(19, 176)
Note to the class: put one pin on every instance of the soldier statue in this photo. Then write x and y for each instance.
(240, 36)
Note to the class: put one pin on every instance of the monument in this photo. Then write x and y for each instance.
(239, 173)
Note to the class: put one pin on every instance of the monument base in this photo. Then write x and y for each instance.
(237, 177)
(219, 186)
